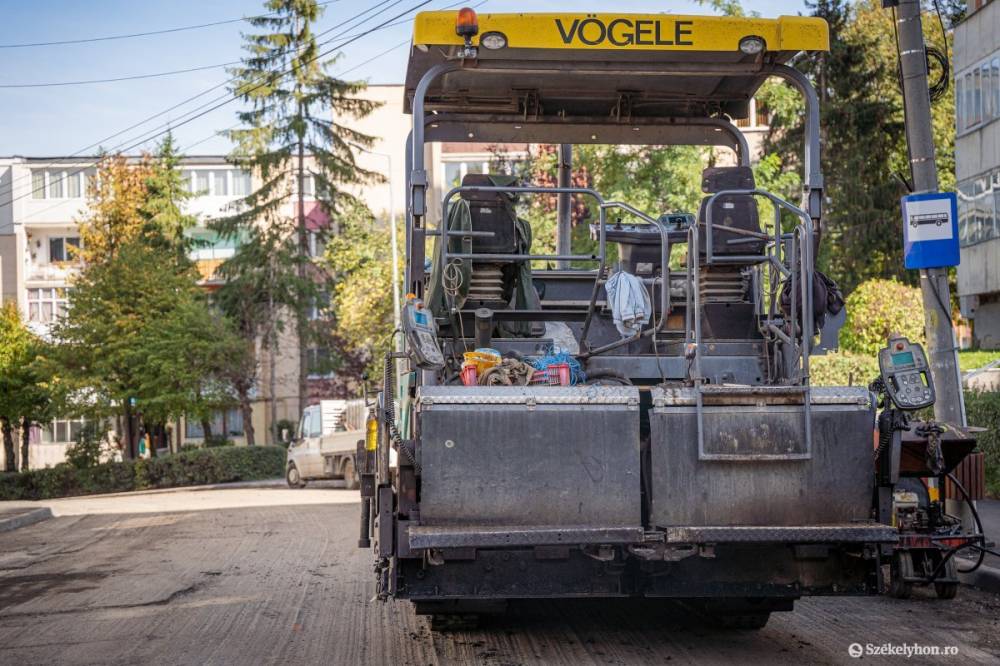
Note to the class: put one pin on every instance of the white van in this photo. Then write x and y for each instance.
(326, 443)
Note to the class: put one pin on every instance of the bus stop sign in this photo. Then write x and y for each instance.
(930, 230)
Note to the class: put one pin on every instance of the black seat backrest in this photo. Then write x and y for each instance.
(732, 210)
(491, 211)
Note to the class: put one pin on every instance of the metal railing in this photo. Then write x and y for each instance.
(782, 259)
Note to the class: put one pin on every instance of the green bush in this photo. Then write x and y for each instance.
(842, 369)
(86, 450)
(187, 468)
(982, 408)
(877, 308)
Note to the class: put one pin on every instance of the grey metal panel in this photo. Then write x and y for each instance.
(820, 395)
(487, 536)
(832, 486)
(853, 533)
(530, 456)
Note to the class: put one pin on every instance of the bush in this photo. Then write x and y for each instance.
(842, 369)
(218, 440)
(188, 468)
(982, 408)
(86, 451)
(282, 425)
(880, 307)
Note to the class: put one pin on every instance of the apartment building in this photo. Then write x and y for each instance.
(977, 168)
(41, 202)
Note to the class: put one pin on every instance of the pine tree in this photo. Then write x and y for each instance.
(293, 104)
(165, 221)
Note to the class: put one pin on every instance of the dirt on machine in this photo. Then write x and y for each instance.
(631, 417)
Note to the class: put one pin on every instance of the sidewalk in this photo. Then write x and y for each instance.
(190, 498)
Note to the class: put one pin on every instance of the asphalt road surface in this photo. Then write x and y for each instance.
(273, 581)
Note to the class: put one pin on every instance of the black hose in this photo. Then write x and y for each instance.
(607, 373)
(979, 523)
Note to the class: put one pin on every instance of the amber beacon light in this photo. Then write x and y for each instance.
(467, 23)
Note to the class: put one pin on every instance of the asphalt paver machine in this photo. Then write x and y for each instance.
(688, 457)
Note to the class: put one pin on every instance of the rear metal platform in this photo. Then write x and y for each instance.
(825, 534)
(486, 536)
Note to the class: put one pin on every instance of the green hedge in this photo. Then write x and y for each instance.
(187, 468)
(842, 369)
(982, 408)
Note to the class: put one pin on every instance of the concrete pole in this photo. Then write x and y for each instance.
(564, 214)
(941, 343)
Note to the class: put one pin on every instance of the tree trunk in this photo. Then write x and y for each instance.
(301, 317)
(272, 382)
(25, 441)
(206, 429)
(130, 450)
(10, 463)
(247, 410)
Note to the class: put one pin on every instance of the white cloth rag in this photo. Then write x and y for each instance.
(629, 303)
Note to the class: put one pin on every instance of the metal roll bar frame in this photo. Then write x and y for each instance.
(810, 229)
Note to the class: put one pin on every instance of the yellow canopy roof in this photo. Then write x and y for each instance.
(619, 31)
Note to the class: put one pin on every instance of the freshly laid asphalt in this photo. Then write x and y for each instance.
(267, 575)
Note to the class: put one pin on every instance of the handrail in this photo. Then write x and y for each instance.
(601, 257)
(800, 251)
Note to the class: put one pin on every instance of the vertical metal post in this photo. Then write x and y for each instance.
(564, 214)
(941, 343)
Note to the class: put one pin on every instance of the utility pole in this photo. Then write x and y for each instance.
(302, 326)
(942, 347)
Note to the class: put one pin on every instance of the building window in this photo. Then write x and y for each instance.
(37, 184)
(46, 305)
(308, 185)
(988, 111)
(61, 248)
(319, 362)
(959, 103)
(220, 183)
(241, 183)
(201, 182)
(969, 99)
(320, 305)
(996, 87)
(62, 431)
(228, 423)
(317, 244)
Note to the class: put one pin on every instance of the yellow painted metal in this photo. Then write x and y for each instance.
(371, 434)
(620, 32)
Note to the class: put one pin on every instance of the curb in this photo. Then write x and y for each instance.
(262, 483)
(985, 577)
(25, 519)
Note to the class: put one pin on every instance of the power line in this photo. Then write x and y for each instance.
(145, 34)
(119, 78)
(119, 146)
(338, 74)
(251, 89)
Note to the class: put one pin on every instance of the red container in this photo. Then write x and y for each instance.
(558, 374)
(470, 376)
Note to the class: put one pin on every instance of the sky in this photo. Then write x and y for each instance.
(75, 120)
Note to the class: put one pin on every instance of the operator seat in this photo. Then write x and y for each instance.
(732, 210)
(490, 285)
